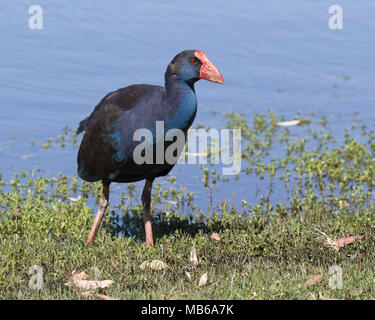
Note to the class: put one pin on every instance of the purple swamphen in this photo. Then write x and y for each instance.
(107, 149)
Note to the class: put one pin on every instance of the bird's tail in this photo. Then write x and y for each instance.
(82, 126)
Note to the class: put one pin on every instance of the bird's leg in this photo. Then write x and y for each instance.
(146, 201)
(103, 202)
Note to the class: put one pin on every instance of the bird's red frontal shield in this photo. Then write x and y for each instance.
(208, 70)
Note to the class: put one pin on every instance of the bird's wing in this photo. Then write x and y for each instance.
(108, 142)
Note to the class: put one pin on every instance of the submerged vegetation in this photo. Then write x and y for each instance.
(314, 210)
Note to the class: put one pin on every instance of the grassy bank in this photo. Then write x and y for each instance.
(268, 257)
(265, 250)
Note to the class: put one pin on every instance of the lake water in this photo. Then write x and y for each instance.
(272, 54)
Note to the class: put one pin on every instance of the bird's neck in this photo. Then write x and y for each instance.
(178, 90)
(182, 98)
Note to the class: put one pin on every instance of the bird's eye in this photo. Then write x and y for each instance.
(194, 61)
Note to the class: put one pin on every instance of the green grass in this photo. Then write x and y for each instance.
(267, 250)
(267, 257)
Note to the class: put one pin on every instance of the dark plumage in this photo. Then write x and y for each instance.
(106, 151)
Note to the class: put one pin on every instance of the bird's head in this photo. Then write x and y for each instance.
(193, 65)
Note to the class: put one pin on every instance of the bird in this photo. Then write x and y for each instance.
(107, 149)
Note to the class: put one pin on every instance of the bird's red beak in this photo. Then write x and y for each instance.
(208, 70)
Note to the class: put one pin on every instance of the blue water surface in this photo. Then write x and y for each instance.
(272, 54)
